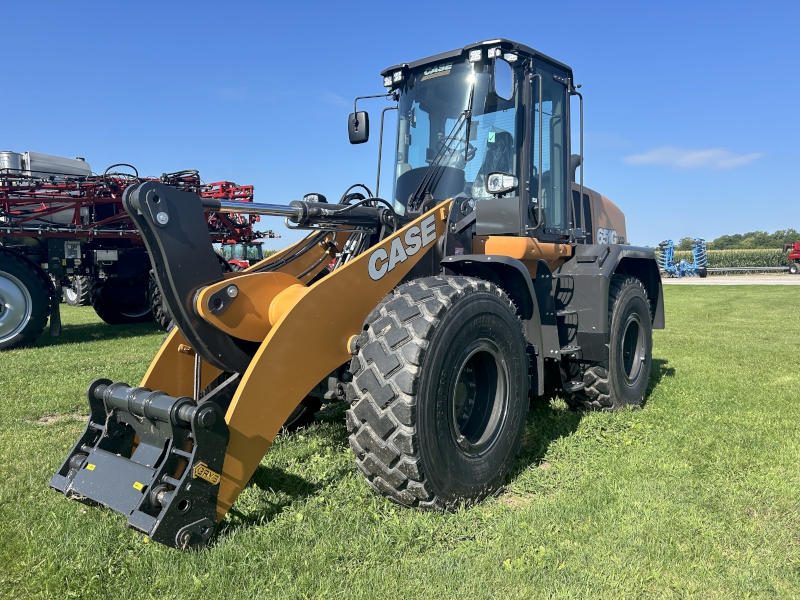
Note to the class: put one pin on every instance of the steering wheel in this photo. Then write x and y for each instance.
(454, 154)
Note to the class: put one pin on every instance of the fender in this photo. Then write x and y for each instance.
(511, 275)
(590, 270)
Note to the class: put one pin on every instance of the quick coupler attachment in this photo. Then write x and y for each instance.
(154, 458)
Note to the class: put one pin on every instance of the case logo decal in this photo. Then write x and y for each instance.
(380, 262)
(437, 71)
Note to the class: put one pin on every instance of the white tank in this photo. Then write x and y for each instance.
(44, 165)
(10, 162)
(36, 164)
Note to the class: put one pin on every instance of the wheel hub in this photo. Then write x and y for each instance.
(633, 349)
(15, 306)
(479, 397)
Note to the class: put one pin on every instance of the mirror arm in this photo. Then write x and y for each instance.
(380, 150)
(355, 102)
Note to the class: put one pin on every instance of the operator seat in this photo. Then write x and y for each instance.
(499, 157)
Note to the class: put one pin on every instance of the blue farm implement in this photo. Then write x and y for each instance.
(683, 268)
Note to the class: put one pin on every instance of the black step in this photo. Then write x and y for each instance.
(565, 312)
(573, 386)
(569, 349)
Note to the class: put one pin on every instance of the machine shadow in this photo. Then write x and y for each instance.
(97, 332)
(287, 488)
(658, 370)
(546, 423)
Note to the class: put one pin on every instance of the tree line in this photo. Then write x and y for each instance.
(743, 241)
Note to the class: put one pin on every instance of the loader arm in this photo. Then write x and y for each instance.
(174, 462)
(318, 322)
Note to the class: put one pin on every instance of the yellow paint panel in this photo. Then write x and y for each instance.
(247, 317)
(173, 372)
(309, 341)
(526, 249)
(312, 261)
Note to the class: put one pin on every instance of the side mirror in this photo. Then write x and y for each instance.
(501, 183)
(502, 79)
(358, 127)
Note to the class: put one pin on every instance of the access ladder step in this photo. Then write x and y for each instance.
(573, 386)
(569, 349)
(565, 312)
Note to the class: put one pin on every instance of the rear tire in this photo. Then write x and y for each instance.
(120, 301)
(622, 380)
(440, 392)
(703, 272)
(79, 292)
(24, 303)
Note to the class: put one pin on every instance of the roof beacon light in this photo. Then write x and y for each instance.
(387, 81)
(397, 76)
(494, 52)
(509, 57)
(475, 55)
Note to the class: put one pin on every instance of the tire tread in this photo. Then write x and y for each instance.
(596, 394)
(381, 420)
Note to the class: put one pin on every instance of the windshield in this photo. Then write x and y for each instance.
(431, 102)
(254, 252)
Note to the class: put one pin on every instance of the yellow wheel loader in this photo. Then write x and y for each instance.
(487, 276)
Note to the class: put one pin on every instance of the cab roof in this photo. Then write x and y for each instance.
(506, 45)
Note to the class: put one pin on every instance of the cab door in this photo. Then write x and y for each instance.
(549, 168)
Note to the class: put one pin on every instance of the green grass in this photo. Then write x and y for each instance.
(696, 495)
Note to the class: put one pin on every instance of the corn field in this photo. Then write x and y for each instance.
(740, 258)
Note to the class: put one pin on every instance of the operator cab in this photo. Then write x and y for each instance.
(495, 107)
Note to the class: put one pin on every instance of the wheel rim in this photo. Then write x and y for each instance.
(479, 397)
(136, 313)
(633, 349)
(15, 306)
(70, 293)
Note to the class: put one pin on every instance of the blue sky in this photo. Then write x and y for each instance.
(691, 120)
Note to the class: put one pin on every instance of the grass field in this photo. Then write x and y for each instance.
(696, 495)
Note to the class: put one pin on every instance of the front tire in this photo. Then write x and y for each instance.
(622, 380)
(440, 392)
(794, 268)
(24, 303)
